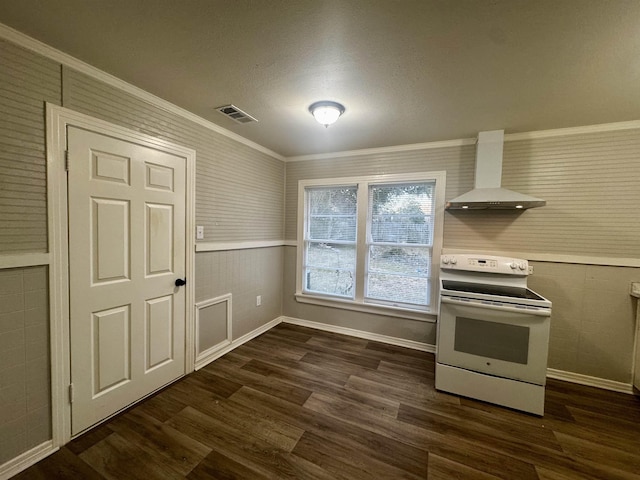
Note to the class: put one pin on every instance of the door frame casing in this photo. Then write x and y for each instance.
(57, 121)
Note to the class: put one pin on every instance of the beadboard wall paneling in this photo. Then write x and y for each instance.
(458, 161)
(593, 319)
(245, 274)
(25, 393)
(27, 81)
(591, 183)
(238, 189)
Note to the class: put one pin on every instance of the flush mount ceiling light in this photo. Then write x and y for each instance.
(326, 112)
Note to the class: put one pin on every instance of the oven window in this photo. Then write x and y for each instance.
(500, 341)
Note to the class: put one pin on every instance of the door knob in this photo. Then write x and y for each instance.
(180, 282)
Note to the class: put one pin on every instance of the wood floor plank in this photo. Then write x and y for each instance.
(359, 358)
(416, 396)
(378, 446)
(283, 351)
(161, 406)
(222, 387)
(344, 462)
(280, 434)
(305, 380)
(444, 469)
(475, 455)
(625, 460)
(619, 427)
(304, 404)
(494, 440)
(90, 438)
(272, 386)
(62, 465)
(514, 427)
(297, 334)
(165, 445)
(336, 364)
(303, 370)
(411, 374)
(116, 458)
(216, 465)
(237, 445)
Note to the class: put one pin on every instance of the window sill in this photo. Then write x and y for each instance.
(387, 311)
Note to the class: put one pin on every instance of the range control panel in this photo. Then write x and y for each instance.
(485, 263)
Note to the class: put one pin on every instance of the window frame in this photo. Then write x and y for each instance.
(363, 223)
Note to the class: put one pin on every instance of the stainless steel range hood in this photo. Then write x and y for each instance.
(488, 194)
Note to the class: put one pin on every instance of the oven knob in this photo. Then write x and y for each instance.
(453, 260)
(522, 266)
(445, 260)
(513, 265)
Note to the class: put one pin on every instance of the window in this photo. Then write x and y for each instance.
(368, 243)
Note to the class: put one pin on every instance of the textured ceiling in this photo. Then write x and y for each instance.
(406, 71)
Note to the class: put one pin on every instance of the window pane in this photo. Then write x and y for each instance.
(411, 261)
(399, 274)
(342, 257)
(402, 213)
(332, 213)
(394, 288)
(330, 269)
(334, 282)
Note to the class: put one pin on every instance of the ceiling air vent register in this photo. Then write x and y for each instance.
(235, 114)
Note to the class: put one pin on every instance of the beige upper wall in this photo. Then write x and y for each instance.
(239, 190)
(591, 185)
(590, 182)
(26, 82)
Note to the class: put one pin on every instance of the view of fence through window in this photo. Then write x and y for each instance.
(331, 240)
(399, 245)
(399, 240)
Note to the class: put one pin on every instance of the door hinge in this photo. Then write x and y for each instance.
(71, 393)
(66, 160)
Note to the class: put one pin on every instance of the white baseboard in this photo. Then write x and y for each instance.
(26, 459)
(589, 381)
(214, 354)
(376, 337)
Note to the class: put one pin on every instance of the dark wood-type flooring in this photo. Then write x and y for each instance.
(297, 403)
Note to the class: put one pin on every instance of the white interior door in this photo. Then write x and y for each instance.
(126, 249)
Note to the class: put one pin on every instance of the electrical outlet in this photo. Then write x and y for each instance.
(530, 271)
(199, 232)
(258, 300)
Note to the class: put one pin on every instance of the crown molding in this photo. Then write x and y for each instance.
(563, 132)
(511, 137)
(25, 41)
(383, 150)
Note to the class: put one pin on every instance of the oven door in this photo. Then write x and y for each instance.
(503, 341)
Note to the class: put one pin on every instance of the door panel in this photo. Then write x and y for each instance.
(126, 248)
(159, 331)
(159, 235)
(110, 220)
(111, 354)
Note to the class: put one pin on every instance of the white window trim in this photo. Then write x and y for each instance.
(358, 304)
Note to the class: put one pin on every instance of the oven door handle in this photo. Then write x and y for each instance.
(502, 308)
